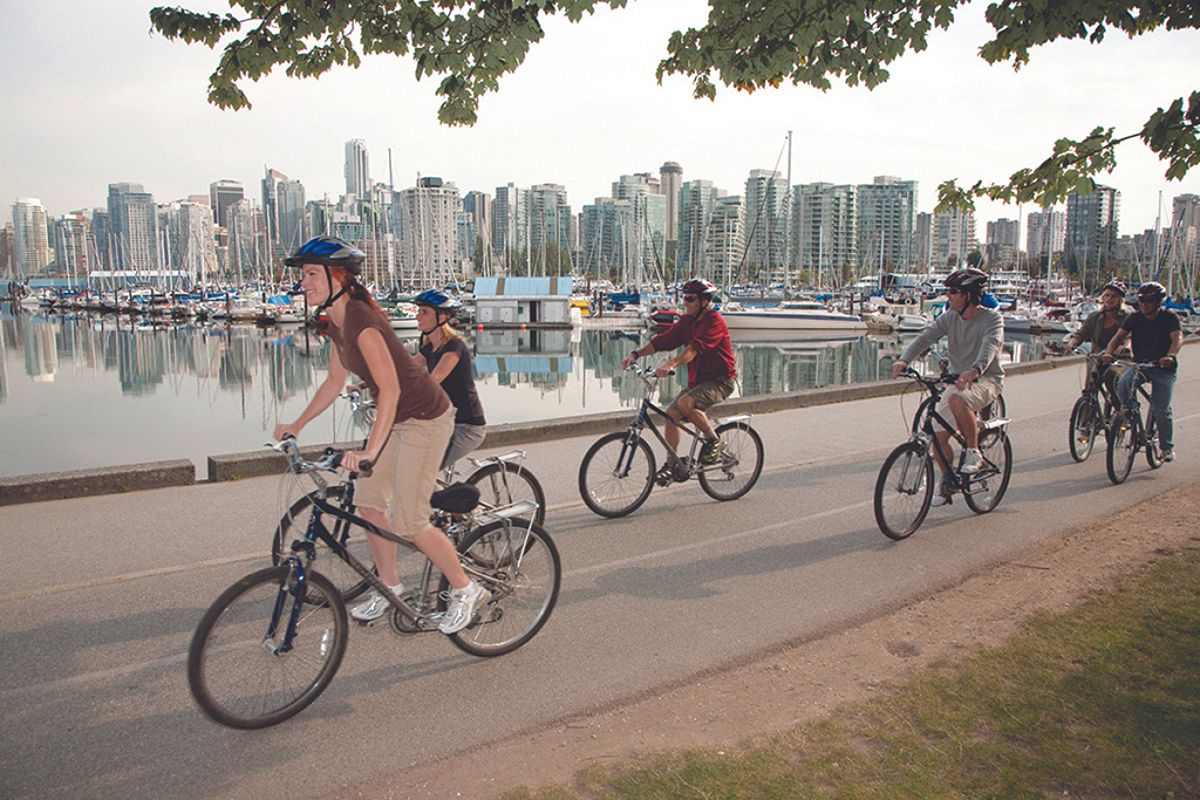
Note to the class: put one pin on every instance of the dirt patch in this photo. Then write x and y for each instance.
(807, 681)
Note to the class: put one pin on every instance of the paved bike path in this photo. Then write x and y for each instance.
(91, 662)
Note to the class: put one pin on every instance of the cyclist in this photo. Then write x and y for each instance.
(975, 336)
(413, 423)
(448, 359)
(1100, 327)
(708, 352)
(1157, 337)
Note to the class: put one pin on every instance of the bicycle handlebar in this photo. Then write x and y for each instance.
(330, 460)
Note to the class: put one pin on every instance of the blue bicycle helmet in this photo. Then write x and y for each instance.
(438, 300)
(330, 251)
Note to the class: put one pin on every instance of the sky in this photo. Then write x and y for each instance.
(92, 96)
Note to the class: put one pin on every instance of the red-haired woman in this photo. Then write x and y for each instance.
(413, 423)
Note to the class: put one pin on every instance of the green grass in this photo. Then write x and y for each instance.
(1102, 701)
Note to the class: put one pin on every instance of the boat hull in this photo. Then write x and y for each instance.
(768, 319)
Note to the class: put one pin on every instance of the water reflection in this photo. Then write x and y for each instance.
(119, 392)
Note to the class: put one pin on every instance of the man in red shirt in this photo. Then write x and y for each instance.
(708, 352)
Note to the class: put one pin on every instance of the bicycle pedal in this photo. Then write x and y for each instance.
(371, 623)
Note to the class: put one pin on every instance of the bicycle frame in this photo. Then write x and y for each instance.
(644, 419)
(927, 435)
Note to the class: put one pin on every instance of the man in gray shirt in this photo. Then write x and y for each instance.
(975, 336)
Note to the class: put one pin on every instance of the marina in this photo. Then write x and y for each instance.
(87, 390)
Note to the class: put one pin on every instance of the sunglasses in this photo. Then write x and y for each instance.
(690, 298)
(956, 291)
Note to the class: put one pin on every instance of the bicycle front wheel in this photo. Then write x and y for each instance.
(294, 524)
(239, 671)
(1085, 424)
(740, 465)
(505, 483)
(519, 564)
(616, 474)
(904, 490)
(1122, 445)
(984, 489)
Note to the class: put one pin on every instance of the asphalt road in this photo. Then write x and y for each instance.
(102, 594)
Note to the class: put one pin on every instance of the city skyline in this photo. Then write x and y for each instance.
(583, 110)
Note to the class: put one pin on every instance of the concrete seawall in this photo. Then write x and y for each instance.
(236, 466)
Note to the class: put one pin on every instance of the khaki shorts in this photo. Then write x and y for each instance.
(976, 396)
(405, 474)
(708, 394)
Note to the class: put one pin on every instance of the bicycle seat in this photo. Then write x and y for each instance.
(457, 498)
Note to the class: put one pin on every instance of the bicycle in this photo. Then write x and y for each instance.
(904, 488)
(502, 478)
(272, 642)
(1092, 412)
(1127, 433)
(619, 469)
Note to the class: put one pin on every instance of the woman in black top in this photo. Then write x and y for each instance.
(449, 361)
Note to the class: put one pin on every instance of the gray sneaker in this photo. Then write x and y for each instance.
(972, 461)
(1168, 454)
(712, 451)
(463, 603)
(375, 606)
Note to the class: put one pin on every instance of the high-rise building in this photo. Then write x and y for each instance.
(1184, 248)
(603, 233)
(272, 178)
(290, 204)
(1045, 234)
(132, 228)
(1092, 222)
(765, 216)
(923, 241)
(246, 253)
(510, 228)
(825, 231)
(479, 206)
(72, 235)
(953, 238)
(1003, 243)
(358, 171)
(222, 194)
(671, 181)
(646, 239)
(550, 229)
(31, 250)
(725, 242)
(696, 199)
(193, 242)
(429, 250)
(887, 220)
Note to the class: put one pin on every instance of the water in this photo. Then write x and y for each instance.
(79, 392)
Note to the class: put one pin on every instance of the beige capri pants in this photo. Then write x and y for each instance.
(406, 473)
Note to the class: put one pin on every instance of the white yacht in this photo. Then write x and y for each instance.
(790, 315)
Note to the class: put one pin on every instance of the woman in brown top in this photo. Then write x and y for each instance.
(413, 423)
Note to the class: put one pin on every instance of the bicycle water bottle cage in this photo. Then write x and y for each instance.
(457, 498)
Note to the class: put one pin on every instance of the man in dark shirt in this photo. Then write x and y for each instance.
(1157, 337)
(708, 352)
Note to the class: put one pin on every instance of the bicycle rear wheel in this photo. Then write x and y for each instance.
(904, 490)
(238, 672)
(1122, 445)
(616, 474)
(1153, 451)
(504, 483)
(740, 465)
(294, 524)
(519, 564)
(984, 490)
(1085, 424)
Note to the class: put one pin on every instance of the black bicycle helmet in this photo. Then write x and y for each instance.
(1151, 292)
(1117, 286)
(438, 300)
(700, 288)
(971, 280)
(330, 251)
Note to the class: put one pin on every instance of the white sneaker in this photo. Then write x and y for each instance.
(461, 610)
(972, 461)
(1168, 454)
(943, 496)
(374, 606)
